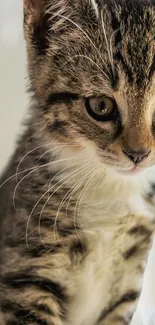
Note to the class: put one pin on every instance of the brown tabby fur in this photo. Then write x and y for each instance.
(64, 259)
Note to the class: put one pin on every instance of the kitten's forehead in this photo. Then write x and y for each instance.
(125, 3)
(132, 24)
(84, 38)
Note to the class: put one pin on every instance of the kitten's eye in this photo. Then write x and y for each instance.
(101, 108)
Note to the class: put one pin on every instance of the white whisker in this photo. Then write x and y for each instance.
(32, 171)
(97, 184)
(36, 148)
(71, 190)
(74, 189)
(35, 133)
(56, 161)
(61, 171)
(84, 33)
(78, 203)
(76, 206)
(15, 175)
(74, 173)
(107, 45)
(86, 57)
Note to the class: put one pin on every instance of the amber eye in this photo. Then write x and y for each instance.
(101, 108)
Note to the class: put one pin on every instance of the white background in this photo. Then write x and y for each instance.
(12, 73)
(13, 103)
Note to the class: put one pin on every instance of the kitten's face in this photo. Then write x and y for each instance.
(92, 65)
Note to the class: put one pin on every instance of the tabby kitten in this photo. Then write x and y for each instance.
(75, 202)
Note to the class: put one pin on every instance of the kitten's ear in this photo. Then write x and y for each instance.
(33, 10)
(41, 18)
(36, 22)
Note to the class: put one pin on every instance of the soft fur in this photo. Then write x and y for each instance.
(77, 217)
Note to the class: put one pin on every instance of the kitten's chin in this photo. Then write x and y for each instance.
(130, 172)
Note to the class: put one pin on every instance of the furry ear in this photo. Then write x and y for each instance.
(36, 22)
(44, 17)
(33, 10)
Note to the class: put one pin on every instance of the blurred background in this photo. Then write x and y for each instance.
(13, 104)
(13, 99)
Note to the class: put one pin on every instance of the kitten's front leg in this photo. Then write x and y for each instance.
(132, 244)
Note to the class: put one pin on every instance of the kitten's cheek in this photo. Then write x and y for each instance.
(116, 149)
(74, 149)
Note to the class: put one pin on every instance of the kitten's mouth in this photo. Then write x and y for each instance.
(131, 171)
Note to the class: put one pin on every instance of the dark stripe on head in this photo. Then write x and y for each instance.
(59, 125)
(127, 69)
(39, 38)
(61, 97)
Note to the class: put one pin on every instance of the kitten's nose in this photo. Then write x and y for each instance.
(137, 156)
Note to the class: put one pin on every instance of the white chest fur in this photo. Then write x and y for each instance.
(97, 213)
(89, 299)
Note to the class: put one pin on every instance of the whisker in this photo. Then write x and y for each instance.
(87, 57)
(107, 45)
(21, 172)
(70, 192)
(74, 173)
(36, 148)
(77, 186)
(38, 123)
(32, 171)
(60, 146)
(30, 215)
(36, 133)
(97, 184)
(78, 203)
(76, 206)
(84, 33)
(61, 171)
(74, 189)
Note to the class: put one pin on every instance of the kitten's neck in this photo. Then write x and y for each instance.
(57, 175)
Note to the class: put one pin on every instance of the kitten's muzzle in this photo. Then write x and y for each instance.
(137, 156)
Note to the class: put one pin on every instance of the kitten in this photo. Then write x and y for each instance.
(76, 215)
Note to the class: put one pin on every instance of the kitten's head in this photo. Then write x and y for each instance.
(91, 66)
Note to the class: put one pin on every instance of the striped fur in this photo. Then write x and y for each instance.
(76, 223)
(95, 6)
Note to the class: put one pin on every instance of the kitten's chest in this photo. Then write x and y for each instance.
(89, 280)
(98, 219)
(97, 212)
